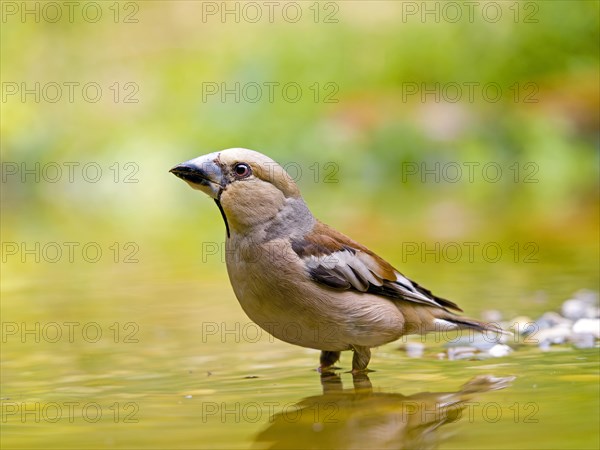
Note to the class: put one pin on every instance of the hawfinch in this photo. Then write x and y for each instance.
(303, 281)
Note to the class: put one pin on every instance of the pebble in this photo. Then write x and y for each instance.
(551, 319)
(479, 341)
(455, 353)
(522, 325)
(577, 324)
(576, 309)
(583, 305)
(556, 335)
(583, 340)
(587, 326)
(588, 296)
(414, 349)
(499, 350)
(495, 350)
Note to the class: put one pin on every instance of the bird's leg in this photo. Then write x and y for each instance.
(327, 360)
(361, 358)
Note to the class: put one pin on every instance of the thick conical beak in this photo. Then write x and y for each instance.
(203, 174)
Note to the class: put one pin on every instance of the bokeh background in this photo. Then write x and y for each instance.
(384, 91)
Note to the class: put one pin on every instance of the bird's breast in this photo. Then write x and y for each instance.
(271, 285)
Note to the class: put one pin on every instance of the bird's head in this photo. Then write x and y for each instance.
(249, 187)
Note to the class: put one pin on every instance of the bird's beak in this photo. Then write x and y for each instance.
(203, 174)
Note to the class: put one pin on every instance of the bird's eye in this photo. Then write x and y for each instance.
(242, 170)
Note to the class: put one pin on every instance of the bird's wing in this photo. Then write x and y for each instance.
(337, 261)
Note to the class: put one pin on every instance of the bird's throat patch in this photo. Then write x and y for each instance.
(218, 202)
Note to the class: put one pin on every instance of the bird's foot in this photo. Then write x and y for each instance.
(327, 369)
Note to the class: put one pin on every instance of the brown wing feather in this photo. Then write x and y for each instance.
(339, 262)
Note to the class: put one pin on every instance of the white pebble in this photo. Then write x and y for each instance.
(556, 335)
(588, 296)
(414, 349)
(573, 309)
(551, 319)
(522, 325)
(583, 340)
(587, 326)
(583, 305)
(499, 350)
(461, 353)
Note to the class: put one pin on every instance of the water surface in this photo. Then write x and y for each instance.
(178, 365)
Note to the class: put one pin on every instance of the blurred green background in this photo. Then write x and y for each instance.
(388, 90)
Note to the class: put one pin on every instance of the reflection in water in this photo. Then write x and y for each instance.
(361, 418)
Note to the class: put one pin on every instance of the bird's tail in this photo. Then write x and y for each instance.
(451, 321)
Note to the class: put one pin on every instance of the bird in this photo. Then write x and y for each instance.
(303, 281)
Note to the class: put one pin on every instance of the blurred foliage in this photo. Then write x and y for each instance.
(370, 134)
(545, 123)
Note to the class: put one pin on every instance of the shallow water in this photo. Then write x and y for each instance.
(160, 356)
